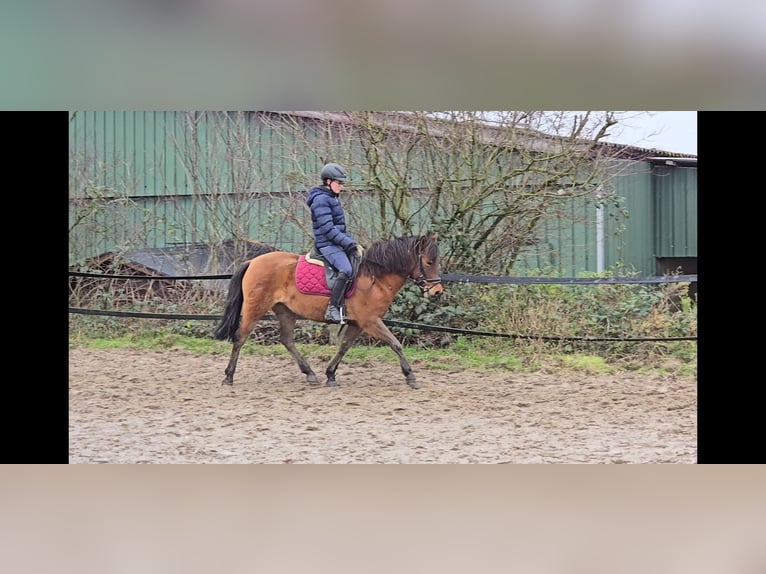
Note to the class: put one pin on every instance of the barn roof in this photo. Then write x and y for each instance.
(533, 139)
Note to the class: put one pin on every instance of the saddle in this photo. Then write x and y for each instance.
(315, 276)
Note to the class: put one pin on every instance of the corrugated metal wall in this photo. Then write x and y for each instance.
(674, 191)
(567, 242)
(629, 227)
(157, 172)
(170, 178)
(659, 217)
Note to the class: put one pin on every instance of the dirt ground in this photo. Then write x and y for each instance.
(137, 406)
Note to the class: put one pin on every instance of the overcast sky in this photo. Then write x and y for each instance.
(666, 131)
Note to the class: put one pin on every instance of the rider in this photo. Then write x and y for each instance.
(330, 235)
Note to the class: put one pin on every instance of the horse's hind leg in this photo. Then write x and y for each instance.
(352, 331)
(286, 331)
(249, 318)
(232, 366)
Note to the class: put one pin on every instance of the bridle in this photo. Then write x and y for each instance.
(422, 281)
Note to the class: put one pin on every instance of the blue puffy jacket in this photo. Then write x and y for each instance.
(328, 219)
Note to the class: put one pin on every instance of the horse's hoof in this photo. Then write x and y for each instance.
(311, 378)
(227, 382)
(331, 383)
(413, 384)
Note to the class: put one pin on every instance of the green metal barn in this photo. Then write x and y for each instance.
(164, 180)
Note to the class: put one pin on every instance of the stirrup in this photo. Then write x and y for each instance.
(335, 315)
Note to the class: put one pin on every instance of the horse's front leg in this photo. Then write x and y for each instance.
(352, 331)
(379, 330)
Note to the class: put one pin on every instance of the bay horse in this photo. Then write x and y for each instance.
(268, 282)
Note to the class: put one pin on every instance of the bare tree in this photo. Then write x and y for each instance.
(484, 180)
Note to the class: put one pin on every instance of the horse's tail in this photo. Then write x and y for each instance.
(227, 328)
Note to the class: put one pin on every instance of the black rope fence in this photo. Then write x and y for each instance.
(455, 278)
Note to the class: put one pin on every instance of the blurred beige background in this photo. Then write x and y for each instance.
(531, 519)
(295, 54)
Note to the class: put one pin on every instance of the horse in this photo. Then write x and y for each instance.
(268, 282)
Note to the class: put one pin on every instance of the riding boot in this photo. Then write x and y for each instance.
(336, 310)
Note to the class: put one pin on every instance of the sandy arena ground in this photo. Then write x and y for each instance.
(137, 406)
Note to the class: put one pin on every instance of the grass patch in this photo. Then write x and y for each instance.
(587, 363)
(465, 355)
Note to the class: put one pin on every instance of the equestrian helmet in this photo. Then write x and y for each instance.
(333, 171)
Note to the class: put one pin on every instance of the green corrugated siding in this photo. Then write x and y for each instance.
(629, 233)
(157, 170)
(675, 211)
(158, 175)
(660, 219)
(566, 242)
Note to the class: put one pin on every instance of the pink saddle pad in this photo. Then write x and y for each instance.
(310, 279)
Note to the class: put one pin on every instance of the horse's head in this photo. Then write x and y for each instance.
(426, 275)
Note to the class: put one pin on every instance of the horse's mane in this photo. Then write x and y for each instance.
(396, 255)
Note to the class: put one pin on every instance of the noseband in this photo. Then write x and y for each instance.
(422, 281)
